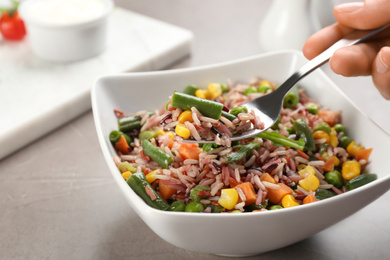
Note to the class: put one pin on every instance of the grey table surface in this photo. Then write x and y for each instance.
(59, 201)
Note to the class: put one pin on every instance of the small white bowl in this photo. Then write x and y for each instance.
(248, 233)
(65, 40)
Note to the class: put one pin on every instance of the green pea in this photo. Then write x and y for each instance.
(236, 211)
(323, 127)
(335, 178)
(273, 207)
(237, 110)
(340, 129)
(177, 206)
(312, 108)
(249, 90)
(345, 141)
(194, 206)
(224, 88)
(264, 88)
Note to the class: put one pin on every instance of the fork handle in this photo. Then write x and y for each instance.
(324, 57)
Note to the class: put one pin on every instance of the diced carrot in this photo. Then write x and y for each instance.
(303, 154)
(122, 145)
(363, 154)
(329, 117)
(165, 191)
(309, 199)
(276, 195)
(249, 192)
(329, 164)
(267, 177)
(233, 182)
(189, 151)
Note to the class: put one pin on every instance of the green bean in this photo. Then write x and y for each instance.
(335, 178)
(322, 194)
(279, 140)
(126, 166)
(115, 135)
(128, 124)
(147, 135)
(194, 192)
(253, 206)
(345, 141)
(190, 90)
(177, 206)
(323, 127)
(312, 108)
(244, 150)
(237, 110)
(360, 180)
(229, 116)
(250, 90)
(194, 206)
(292, 98)
(304, 132)
(216, 209)
(138, 182)
(275, 126)
(156, 154)
(206, 107)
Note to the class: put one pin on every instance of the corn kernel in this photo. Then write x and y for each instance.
(333, 140)
(162, 132)
(289, 201)
(182, 131)
(353, 148)
(185, 116)
(229, 198)
(321, 135)
(350, 170)
(215, 90)
(306, 171)
(151, 176)
(126, 175)
(301, 167)
(310, 183)
(203, 93)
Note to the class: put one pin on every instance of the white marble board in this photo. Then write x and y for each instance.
(38, 96)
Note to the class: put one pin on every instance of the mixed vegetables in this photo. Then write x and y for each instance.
(305, 157)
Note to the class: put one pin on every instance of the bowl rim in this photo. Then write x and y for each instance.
(131, 195)
(23, 11)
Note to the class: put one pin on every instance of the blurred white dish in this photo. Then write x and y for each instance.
(248, 233)
(63, 31)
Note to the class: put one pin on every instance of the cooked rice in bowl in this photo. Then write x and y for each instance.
(305, 157)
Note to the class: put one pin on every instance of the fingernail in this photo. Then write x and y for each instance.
(381, 66)
(348, 7)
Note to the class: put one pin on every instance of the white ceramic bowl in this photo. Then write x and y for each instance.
(67, 41)
(248, 233)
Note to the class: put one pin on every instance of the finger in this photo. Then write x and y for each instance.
(368, 15)
(323, 39)
(381, 72)
(355, 60)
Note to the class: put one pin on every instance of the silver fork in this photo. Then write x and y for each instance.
(268, 107)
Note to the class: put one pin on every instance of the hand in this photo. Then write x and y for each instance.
(371, 58)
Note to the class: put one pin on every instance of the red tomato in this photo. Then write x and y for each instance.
(12, 26)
